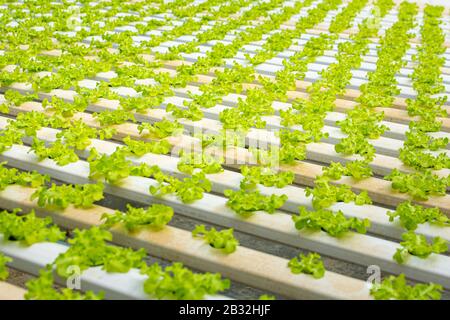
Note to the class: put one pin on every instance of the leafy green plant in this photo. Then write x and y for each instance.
(364, 121)
(422, 160)
(192, 112)
(42, 288)
(188, 190)
(325, 194)
(411, 215)
(4, 274)
(420, 185)
(155, 217)
(396, 288)
(118, 116)
(293, 145)
(89, 248)
(417, 245)
(161, 129)
(15, 98)
(333, 223)
(29, 122)
(356, 144)
(78, 135)
(9, 137)
(266, 297)
(223, 240)
(179, 283)
(60, 197)
(193, 160)
(112, 168)
(421, 140)
(246, 203)
(139, 148)
(57, 151)
(63, 108)
(310, 264)
(11, 176)
(266, 176)
(356, 169)
(28, 229)
(115, 167)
